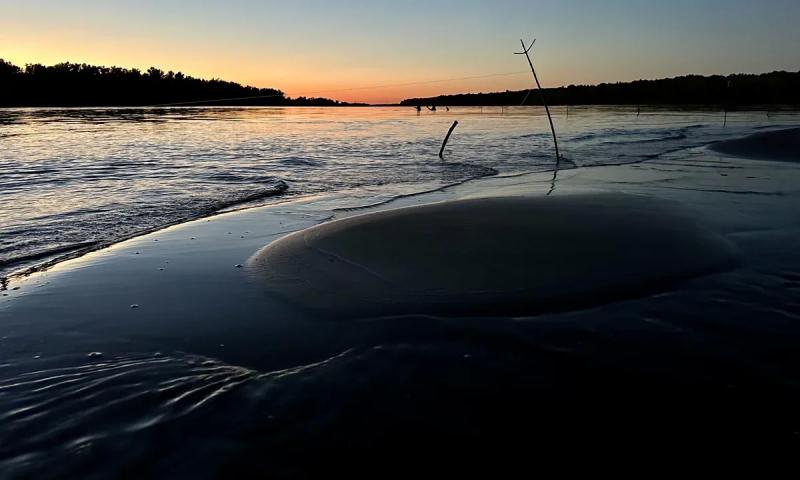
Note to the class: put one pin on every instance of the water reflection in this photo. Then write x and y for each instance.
(77, 175)
(12, 116)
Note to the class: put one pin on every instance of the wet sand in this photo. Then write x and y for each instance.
(508, 255)
(166, 356)
(783, 145)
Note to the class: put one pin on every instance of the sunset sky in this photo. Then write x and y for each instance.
(321, 47)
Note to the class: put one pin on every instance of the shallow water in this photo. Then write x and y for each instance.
(80, 178)
(211, 376)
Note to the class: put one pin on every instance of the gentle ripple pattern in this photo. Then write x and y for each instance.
(75, 179)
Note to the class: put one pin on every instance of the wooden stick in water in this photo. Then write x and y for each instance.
(525, 51)
(446, 138)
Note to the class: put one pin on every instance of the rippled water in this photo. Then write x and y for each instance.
(209, 377)
(78, 178)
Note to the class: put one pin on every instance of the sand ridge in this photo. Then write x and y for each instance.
(783, 145)
(519, 255)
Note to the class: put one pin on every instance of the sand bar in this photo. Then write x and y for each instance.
(518, 255)
(782, 145)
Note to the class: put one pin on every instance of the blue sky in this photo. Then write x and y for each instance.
(322, 46)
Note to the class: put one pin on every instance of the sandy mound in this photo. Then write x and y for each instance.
(518, 255)
(783, 145)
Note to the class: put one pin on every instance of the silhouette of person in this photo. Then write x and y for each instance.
(432, 109)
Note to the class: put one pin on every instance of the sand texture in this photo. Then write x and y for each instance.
(783, 145)
(484, 256)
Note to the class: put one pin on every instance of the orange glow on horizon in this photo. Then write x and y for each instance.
(295, 75)
(333, 50)
(337, 77)
(348, 85)
(361, 87)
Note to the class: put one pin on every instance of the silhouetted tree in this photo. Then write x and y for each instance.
(775, 88)
(8, 69)
(73, 84)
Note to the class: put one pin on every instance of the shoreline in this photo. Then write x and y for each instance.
(16, 274)
(346, 211)
(91, 246)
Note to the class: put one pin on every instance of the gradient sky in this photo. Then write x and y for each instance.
(320, 47)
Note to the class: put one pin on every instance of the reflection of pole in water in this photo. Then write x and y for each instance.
(553, 181)
(725, 107)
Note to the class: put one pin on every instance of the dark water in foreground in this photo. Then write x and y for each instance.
(74, 179)
(211, 377)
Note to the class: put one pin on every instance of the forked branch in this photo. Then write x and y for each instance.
(525, 51)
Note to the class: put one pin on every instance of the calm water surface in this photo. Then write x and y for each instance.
(80, 178)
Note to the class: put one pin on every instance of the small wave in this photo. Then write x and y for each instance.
(587, 136)
(7, 262)
(227, 177)
(679, 136)
(487, 171)
(565, 163)
(279, 188)
(72, 404)
(302, 162)
(609, 132)
(53, 410)
(8, 135)
(34, 171)
(659, 134)
(455, 171)
(59, 254)
(534, 135)
(733, 192)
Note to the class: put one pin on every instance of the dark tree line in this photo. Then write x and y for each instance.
(74, 84)
(776, 88)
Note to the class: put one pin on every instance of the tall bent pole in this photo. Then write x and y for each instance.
(525, 51)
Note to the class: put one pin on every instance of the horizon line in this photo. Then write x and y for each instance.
(401, 84)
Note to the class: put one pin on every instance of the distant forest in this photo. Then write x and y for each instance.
(776, 88)
(82, 85)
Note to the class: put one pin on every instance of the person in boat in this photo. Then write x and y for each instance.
(432, 109)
